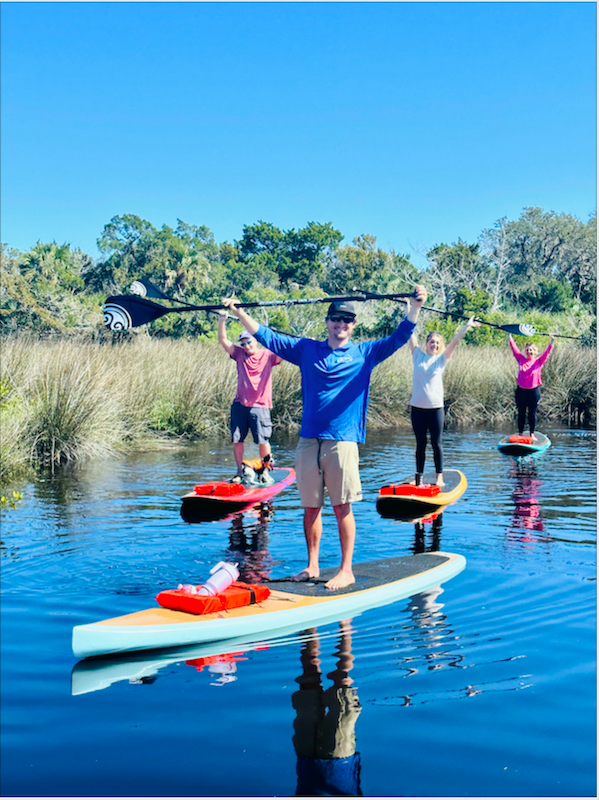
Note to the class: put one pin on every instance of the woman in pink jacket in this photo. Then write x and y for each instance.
(528, 390)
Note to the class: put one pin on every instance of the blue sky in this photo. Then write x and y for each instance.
(417, 123)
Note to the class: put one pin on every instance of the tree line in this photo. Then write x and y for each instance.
(543, 262)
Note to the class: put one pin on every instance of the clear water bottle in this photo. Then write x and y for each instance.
(187, 588)
(222, 576)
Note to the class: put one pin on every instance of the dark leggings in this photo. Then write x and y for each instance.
(527, 400)
(424, 420)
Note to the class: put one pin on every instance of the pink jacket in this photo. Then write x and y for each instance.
(529, 374)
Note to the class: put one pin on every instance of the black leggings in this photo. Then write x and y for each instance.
(424, 420)
(527, 400)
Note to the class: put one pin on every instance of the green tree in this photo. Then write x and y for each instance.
(471, 302)
(293, 256)
(310, 250)
(451, 268)
(362, 266)
(548, 294)
(542, 245)
(42, 290)
(184, 261)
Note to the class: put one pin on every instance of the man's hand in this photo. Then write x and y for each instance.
(248, 323)
(421, 295)
(416, 302)
(230, 302)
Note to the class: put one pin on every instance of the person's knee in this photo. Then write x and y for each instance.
(343, 510)
(311, 513)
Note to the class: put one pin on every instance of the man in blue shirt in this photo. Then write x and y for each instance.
(335, 389)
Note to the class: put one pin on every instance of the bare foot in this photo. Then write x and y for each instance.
(340, 580)
(305, 575)
(440, 482)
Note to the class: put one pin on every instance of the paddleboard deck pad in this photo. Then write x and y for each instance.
(520, 446)
(291, 605)
(219, 499)
(406, 501)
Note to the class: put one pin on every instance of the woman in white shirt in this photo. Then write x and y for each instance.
(427, 409)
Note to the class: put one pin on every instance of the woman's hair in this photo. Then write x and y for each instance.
(531, 344)
(430, 335)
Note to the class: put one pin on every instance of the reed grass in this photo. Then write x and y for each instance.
(63, 401)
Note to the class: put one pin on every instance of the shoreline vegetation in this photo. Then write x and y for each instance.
(63, 401)
(70, 390)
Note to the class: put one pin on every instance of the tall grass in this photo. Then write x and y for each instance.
(61, 401)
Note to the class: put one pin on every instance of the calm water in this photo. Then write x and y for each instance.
(485, 687)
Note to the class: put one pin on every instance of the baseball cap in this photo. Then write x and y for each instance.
(341, 307)
(245, 335)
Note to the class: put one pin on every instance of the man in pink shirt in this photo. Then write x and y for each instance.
(528, 390)
(251, 407)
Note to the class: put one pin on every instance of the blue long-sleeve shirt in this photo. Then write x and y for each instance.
(335, 383)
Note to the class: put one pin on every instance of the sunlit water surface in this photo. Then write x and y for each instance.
(485, 687)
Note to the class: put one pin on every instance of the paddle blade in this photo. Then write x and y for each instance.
(144, 288)
(122, 312)
(520, 330)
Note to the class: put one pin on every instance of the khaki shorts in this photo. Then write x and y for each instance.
(321, 463)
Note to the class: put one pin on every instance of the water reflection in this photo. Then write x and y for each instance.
(324, 729)
(248, 543)
(223, 667)
(526, 518)
(419, 545)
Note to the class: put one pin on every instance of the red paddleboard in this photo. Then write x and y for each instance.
(218, 499)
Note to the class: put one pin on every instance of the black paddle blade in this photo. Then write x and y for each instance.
(122, 312)
(523, 329)
(144, 288)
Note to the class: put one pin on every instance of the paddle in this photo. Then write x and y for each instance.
(516, 329)
(122, 312)
(143, 288)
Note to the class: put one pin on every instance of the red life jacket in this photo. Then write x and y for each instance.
(424, 490)
(237, 595)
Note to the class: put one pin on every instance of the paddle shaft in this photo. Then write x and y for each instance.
(298, 301)
(507, 328)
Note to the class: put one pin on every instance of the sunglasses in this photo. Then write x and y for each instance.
(342, 318)
(245, 342)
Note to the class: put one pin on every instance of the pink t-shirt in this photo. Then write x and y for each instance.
(529, 374)
(254, 377)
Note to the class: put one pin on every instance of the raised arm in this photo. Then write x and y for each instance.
(472, 323)
(413, 340)
(516, 350)
(416, 303)
(248, 322)
(223, 339)
(545, 355)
